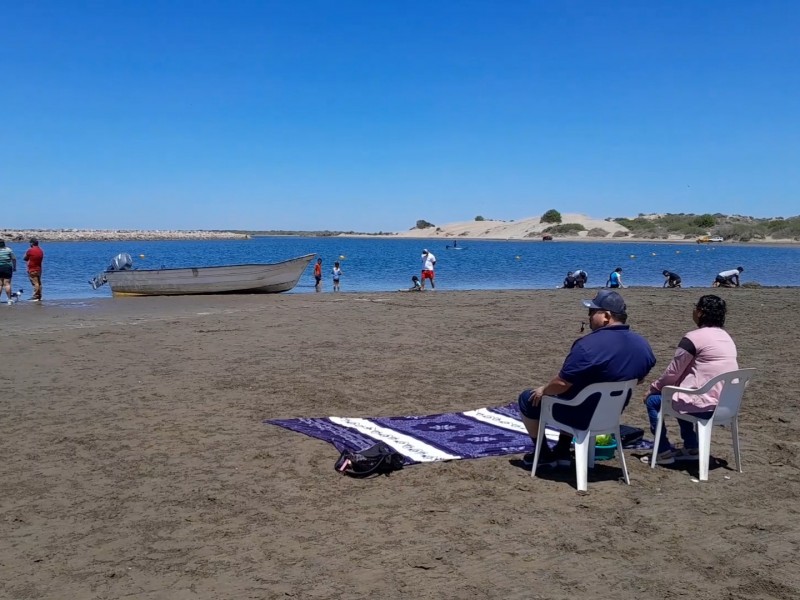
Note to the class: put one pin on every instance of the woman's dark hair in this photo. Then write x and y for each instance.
(712, 311)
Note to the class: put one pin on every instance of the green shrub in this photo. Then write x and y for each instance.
(597, 232)
(564, 229)
(705, 221)
(551, 216)
(423, 224)
(479, 218)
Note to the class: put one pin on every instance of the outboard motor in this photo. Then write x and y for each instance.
(121, 262)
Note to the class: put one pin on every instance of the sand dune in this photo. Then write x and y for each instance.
(530, 227)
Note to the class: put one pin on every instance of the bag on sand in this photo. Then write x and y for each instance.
(375, 460)
(630, 435)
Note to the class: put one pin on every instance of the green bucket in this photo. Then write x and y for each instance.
(605, 452)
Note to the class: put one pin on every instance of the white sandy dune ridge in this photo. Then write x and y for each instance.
(518, 229)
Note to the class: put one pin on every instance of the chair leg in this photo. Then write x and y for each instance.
(704, 439)
(539, 442)
(659, 427)
(582, 443)
(622, 458)
(592, 443)
(735, 434)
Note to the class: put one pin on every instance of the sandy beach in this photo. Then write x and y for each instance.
(135, 463)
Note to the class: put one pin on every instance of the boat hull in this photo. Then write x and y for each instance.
(234, 279)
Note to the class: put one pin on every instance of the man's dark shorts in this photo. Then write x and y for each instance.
(6, 272)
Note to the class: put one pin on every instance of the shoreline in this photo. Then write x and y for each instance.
(98, 303)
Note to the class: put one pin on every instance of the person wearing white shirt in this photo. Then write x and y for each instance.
(428, 262)
(728, 278)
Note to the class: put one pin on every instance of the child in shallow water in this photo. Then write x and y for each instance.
(416, 285)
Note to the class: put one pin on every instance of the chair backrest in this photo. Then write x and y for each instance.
(731, 385)
(613, 395)
(730, 397)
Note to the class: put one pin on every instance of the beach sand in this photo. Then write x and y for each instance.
(135, 463)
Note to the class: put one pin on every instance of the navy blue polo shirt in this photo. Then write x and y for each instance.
(613, 353)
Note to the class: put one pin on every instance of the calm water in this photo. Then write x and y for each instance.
(372, 264)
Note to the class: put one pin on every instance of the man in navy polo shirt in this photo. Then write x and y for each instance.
(611, 352)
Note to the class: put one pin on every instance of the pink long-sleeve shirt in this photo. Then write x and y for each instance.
(701, 355)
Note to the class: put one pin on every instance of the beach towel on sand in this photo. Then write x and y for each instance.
(448, 436)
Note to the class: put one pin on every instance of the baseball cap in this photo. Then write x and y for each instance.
(34, 240)
(607, 300)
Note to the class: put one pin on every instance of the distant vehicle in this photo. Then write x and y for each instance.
(704, 239)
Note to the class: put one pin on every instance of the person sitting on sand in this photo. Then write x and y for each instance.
(611, 352)
(728, 278)
(569, 280)
(671, 279)
(416, 286)
(581, 278)
(615, 279)
(702, 354)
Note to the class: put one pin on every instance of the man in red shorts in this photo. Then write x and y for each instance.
(34, 257)
(428, 262)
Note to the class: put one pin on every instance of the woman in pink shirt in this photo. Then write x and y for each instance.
(701, 355)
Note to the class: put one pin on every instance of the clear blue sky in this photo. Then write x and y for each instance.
(369, 115)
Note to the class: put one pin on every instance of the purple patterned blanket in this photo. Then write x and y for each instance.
(448, 436)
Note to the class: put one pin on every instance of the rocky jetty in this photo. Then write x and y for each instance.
(85, 235)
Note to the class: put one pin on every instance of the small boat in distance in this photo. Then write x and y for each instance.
(265, 278)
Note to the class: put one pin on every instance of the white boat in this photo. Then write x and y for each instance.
(241, 279)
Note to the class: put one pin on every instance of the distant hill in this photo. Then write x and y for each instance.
(646, 226)
(734, 227)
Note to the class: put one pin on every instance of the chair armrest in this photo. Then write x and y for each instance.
(556, 400)
(672, 389)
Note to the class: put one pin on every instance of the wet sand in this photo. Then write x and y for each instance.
(135, 464)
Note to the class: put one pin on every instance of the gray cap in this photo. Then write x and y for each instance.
(607, 300)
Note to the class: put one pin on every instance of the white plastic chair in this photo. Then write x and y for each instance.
(605, 420)
(726, 413)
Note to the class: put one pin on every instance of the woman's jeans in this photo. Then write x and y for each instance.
(688, 433)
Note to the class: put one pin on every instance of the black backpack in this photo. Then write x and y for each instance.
(375, 460)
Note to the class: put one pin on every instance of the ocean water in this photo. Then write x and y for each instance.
(385, 264)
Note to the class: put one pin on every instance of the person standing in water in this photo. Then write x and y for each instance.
(428, 263)
(337, 274)
(34, 257)
(8, 264)
(318, 275)
(615, 279)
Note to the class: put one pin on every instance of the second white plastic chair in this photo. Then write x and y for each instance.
(727, 413)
